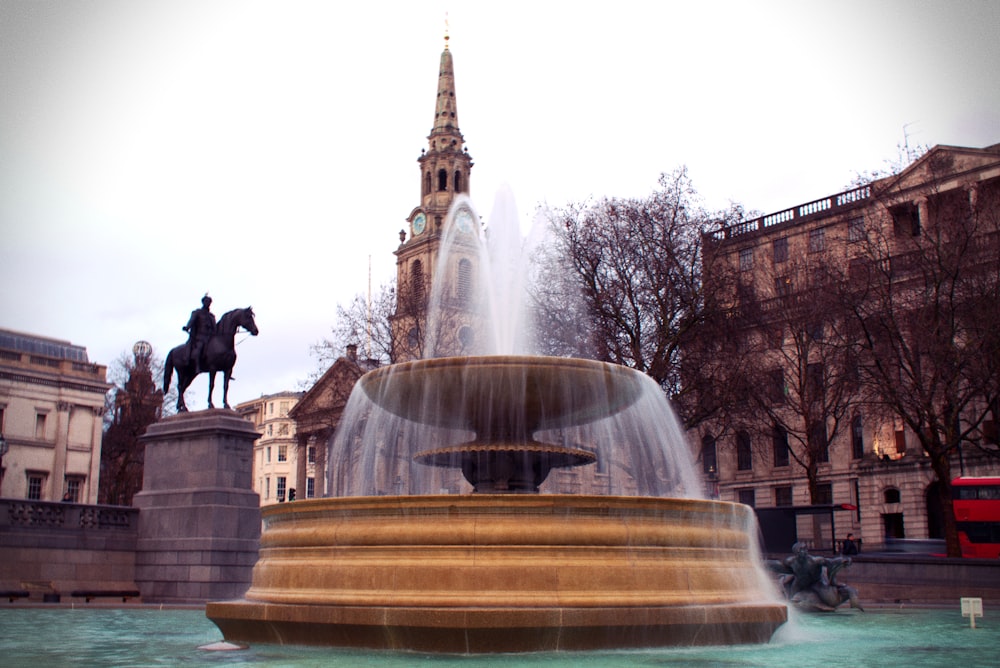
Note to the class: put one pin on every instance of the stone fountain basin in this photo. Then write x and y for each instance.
(503, 394)
(500, 573)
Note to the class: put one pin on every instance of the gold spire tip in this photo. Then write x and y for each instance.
(446, 37)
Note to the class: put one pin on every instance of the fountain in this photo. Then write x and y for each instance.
(507, 567)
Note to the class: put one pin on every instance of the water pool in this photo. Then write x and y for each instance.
(41, 637)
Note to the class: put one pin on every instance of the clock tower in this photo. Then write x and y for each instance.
(445, 166)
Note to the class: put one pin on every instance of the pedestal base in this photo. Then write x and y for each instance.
(199, 525)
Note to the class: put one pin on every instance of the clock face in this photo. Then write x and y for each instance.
(464, 221)
(419, 223)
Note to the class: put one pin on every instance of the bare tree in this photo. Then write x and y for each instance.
(364, 322)
(923, 298)
(135, 403)
(637, 265)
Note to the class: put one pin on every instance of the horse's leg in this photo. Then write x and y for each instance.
(226, 374)
(211, 388)
(182, 384)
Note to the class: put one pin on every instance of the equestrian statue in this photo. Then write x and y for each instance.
(210, 347)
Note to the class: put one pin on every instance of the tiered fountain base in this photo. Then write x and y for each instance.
(503, 573)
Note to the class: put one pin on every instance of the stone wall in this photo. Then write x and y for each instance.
(57, 548)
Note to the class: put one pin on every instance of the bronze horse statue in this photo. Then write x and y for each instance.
(218, 354)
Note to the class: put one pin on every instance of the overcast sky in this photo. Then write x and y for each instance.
(151, 151)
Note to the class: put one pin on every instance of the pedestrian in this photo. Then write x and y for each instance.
(849, 547)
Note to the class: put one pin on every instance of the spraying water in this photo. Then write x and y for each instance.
(477, 308)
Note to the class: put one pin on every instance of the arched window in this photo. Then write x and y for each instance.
(442, 180)
(427, 183)
(464, 280)
(891, 495)
(417, 283)
(458, 181)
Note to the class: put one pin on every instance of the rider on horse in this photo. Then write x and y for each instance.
(200, 327)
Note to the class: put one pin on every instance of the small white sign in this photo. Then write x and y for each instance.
(972, 608)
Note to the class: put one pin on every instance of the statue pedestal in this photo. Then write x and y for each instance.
(199, 525)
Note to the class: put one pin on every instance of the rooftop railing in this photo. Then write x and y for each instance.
(826, 205)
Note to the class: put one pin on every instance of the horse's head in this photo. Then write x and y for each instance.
(246, 320)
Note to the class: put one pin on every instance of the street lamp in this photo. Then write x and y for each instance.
(713, 482)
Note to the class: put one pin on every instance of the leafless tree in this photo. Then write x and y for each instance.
(135, 403)
(637, 266)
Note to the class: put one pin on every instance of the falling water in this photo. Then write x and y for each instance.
(639, 449)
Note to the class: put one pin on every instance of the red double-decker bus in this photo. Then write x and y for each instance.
(977, 515)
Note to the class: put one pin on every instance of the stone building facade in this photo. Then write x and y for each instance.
(874, 473)
(51, 416)
(276, 459)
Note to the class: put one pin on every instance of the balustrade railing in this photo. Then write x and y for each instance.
(819, 206)
(52, 515)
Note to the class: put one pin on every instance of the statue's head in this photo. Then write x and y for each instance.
(800, 549)
(206, 301)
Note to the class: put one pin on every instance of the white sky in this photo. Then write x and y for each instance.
(134, 133)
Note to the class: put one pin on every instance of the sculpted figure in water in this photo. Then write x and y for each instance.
(810, 582)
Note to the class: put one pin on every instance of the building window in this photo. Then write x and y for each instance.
(905, 221)
(36, 481)
(782, 286)
(746, 259)
(900, 442)
(709, 462)
(464, 280)
(311, 454)
(776, 385)
(267, 487)
(310, 488)
(891, 495)
(817, 240)
(40, 426)
(744, 457)
(442, 180)
(283, 429)
(857, 437)
(427, 183)
(279, 491)
(856, 229)
(780, 446)
(783, 495)
(74, 485)
(747, 497)
(824, 494)
(270, 408)
(283, 408)
(818, 444)
(282, 453)
(270, 430)
(417, 282)
(269, 454)
(781, 250)
(458, 181)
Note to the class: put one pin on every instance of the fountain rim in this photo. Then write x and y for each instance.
(621, 384)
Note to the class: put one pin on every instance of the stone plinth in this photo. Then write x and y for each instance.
(502, 573)
(199, 526)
